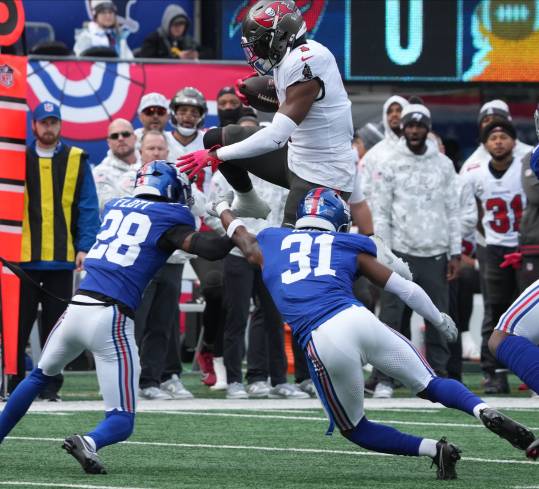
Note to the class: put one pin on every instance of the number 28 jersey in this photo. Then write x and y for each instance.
(310, 274)
(502, 200)
(125, 255)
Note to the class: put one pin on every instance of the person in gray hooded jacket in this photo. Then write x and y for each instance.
(170, 40)
(391, 116)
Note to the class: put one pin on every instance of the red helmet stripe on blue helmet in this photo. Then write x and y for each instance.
(316, 199)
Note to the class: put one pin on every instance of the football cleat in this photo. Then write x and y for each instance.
(249, 204)
(515, 433)
(447, 456)
(77, 446)
(533, 450)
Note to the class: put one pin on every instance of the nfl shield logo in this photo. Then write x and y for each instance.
(6, 76)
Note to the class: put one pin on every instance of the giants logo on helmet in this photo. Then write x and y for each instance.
(312, 12)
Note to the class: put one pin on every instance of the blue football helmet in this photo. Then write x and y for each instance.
(323, 208)
(162, 179)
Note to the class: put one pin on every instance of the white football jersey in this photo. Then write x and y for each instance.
(320, 149)
(502, 200)
(521, 149)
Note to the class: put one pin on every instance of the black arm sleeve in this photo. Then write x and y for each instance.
(210, 246)
(205, 245)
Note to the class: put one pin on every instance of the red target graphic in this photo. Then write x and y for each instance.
(11, 21)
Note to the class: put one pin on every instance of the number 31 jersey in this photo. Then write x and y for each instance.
(125, 255)
(502, 200)
(310, 274)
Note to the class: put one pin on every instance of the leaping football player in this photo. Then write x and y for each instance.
(309, 141)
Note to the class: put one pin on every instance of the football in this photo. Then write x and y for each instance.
(260, 93)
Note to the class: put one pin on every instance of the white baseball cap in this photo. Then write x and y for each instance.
(152, 99)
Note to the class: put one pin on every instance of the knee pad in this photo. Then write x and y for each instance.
(213, 294)
(234, 133)
(214, 278)
(213, 137)
(213, 286)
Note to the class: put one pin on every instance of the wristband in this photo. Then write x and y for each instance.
(221, 207)
(232, 227)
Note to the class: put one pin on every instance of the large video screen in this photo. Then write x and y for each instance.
(441, 40)
(416, 40)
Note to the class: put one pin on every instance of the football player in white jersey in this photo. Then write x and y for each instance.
(309, 141)
(188, 109)
(493, 110)
(313, 128)
(497, 186)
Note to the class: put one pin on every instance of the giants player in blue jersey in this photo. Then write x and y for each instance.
(137, 236)
(309, 272)
(515, 339)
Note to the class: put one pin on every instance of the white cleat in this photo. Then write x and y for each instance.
(249, 204)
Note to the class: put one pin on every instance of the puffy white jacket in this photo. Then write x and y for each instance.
(417, 202)
(92, 35)
(114, 178)
(369, 163)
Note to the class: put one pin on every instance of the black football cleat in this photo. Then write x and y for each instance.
(533, 450)
(77, 446)
(446, 459)
(515, 433)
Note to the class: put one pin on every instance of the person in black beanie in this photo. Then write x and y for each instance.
(231, 111)
(497, 185)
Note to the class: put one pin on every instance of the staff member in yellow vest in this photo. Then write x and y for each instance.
(61, 219)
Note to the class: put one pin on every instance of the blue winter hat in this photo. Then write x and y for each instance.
(46, 109)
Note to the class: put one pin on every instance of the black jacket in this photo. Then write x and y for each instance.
(157, 46)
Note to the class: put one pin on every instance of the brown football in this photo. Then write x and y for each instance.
(260, 92)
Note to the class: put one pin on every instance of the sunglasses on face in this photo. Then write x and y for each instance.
(155, 110)
(116, 135)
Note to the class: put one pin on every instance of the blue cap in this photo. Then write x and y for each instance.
(47, 109)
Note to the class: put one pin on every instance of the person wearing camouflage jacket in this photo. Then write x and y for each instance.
(418, 216)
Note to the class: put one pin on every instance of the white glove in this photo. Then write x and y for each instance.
(386, 257)
(221, 203)
(448, 329)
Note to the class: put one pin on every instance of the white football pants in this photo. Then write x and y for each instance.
(109, 335)
(522, 317)
(342, 345)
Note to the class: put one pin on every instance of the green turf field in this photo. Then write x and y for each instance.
(250, 448)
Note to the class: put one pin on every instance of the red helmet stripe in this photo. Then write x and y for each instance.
(316, 199)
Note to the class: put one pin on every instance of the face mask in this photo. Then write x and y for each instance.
(229, 116)
(186, 131)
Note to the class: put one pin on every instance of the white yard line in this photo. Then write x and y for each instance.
(322, 419)
(59, 484)
(256, 404)
(355, 453)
